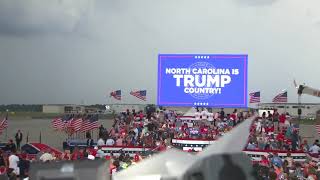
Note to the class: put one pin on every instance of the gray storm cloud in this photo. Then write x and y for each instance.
(66, 51)
(38, 16)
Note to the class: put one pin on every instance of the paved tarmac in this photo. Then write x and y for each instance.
(35, 126)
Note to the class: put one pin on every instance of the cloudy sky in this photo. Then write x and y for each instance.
(69, 51)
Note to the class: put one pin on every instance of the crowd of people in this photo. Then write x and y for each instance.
(272, 167)
(273, 131)
(157, 129)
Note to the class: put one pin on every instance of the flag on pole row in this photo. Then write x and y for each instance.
(116, 94)
(62, 123)
(4, 124)
(90, 123)
(254, 97)
(141, 94)
(77, 123)
(57, 123)
(281, 98)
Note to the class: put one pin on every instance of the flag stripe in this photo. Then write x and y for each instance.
(116, 94)
(142, 94)
(76, 124)
(282, 98)
(254, 97)
(4, 124)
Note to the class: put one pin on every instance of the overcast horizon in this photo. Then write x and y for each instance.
(78, 51)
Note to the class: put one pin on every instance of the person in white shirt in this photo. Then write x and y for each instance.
(290, 160)
(314, 149)
(204, 114)
(110, 142)
(136, 131)
(100, 153)
(158, 115)
(210, 116)
(13, 163)
(100, 142)
(197, 115)
(47, 156)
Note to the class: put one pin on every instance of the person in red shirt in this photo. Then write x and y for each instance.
(76, 155)
(280, 139)
(233, 117)
(141, 115)
(162, 146)
(93, 151)
(184, 127)
(264, 161)
(282, 121)
(66, 155)
(269, 129)
(137, 157)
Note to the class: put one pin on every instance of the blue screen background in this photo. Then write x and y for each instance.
(232, 95)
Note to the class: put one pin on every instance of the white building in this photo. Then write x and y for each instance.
(308, 109)
(61, 108)
(118, 108)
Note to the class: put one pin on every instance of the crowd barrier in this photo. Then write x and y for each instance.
(131, 150)
(184, 144)
(255, 155)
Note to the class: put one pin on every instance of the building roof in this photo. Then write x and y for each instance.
(308, 104)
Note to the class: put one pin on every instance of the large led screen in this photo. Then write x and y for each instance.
(202, 80)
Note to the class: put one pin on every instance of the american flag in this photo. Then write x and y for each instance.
(74, 124)
(281, 98)
(68, 121)
(62, 123)
(254, 97)
(57, 123)
(4, 124)
(142, 94)
(90, 122)
(116, 94)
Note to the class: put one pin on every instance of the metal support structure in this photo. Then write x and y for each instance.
(299, 107)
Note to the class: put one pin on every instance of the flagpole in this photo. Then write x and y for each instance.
(7, 128)
(27, 138)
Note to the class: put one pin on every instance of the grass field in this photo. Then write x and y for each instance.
(29, 115)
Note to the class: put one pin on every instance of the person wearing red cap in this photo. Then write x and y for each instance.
(137, 157)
